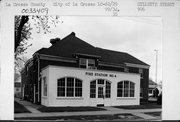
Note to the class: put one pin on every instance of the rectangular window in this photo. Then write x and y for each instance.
(45, 86)
(141, 73)
(61, 87)
(126, 69)
(82, 62)
(70, 87)
(93, 89)
(78, 88)
(87, 63)
(91, 62)
(126, 89)
(100, 92)
(120, 89)
(108, 90)
(131, 89)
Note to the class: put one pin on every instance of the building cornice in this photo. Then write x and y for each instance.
(111, 64)
(56, 58)
(137, 65)
(100, 63)
(28, 61)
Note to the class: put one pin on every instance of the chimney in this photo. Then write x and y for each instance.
(54, 41)
(74, 34)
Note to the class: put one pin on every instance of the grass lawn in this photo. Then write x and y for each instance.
(18, 108)
(117, 117)
(154, 113)
(148, 105)
(68, 109)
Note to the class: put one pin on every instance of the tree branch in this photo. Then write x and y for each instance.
(24, 19)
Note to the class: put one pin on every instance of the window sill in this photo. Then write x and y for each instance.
(126, 98)
(44, 97)
(70, 98)
(100, 98)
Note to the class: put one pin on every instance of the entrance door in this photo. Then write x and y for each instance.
(100, 101)
(101, 90)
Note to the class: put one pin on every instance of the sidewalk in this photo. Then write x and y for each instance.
(28, 105)
(110, 110)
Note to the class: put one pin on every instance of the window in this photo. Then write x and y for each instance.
(141, 73)
(82, 62)
(131, 89)
(103, 89)
(61, 87)
(125, 89)
(100, 92)
(141, 92)
(93, 89)
(120, 89)
(78, 88)
(69, 87)
(45, 86)
(100, 81)
(126, 69)
(87, 63)
(91, 63)
(108, 89)
(150, 91)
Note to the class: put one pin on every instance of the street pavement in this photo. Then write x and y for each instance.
(109, 111)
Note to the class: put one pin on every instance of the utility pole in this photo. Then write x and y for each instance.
(156, 63)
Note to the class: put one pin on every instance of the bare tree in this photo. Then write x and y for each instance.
(23, 28)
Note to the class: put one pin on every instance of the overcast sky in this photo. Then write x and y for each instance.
(138, 36)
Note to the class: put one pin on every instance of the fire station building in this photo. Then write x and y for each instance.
(72, 72)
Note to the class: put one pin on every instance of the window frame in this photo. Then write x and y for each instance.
(45, 86)
(93, 95)
(141, 73)
(61, 80)
(98, 83)
(126, 69)
(74, 88)
(127, 88)
(87, 63)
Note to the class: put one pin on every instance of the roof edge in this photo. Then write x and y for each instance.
(137, 65)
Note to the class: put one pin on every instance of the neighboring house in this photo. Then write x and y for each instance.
(72, 72)
(152, 87)
(17, 85)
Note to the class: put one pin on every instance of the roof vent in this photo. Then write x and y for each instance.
(74, 34)
(54, 41)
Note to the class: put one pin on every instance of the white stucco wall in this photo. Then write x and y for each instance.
(55, 72)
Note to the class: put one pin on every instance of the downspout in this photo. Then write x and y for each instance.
(34, 93)
(38, 68)
(38, 76)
